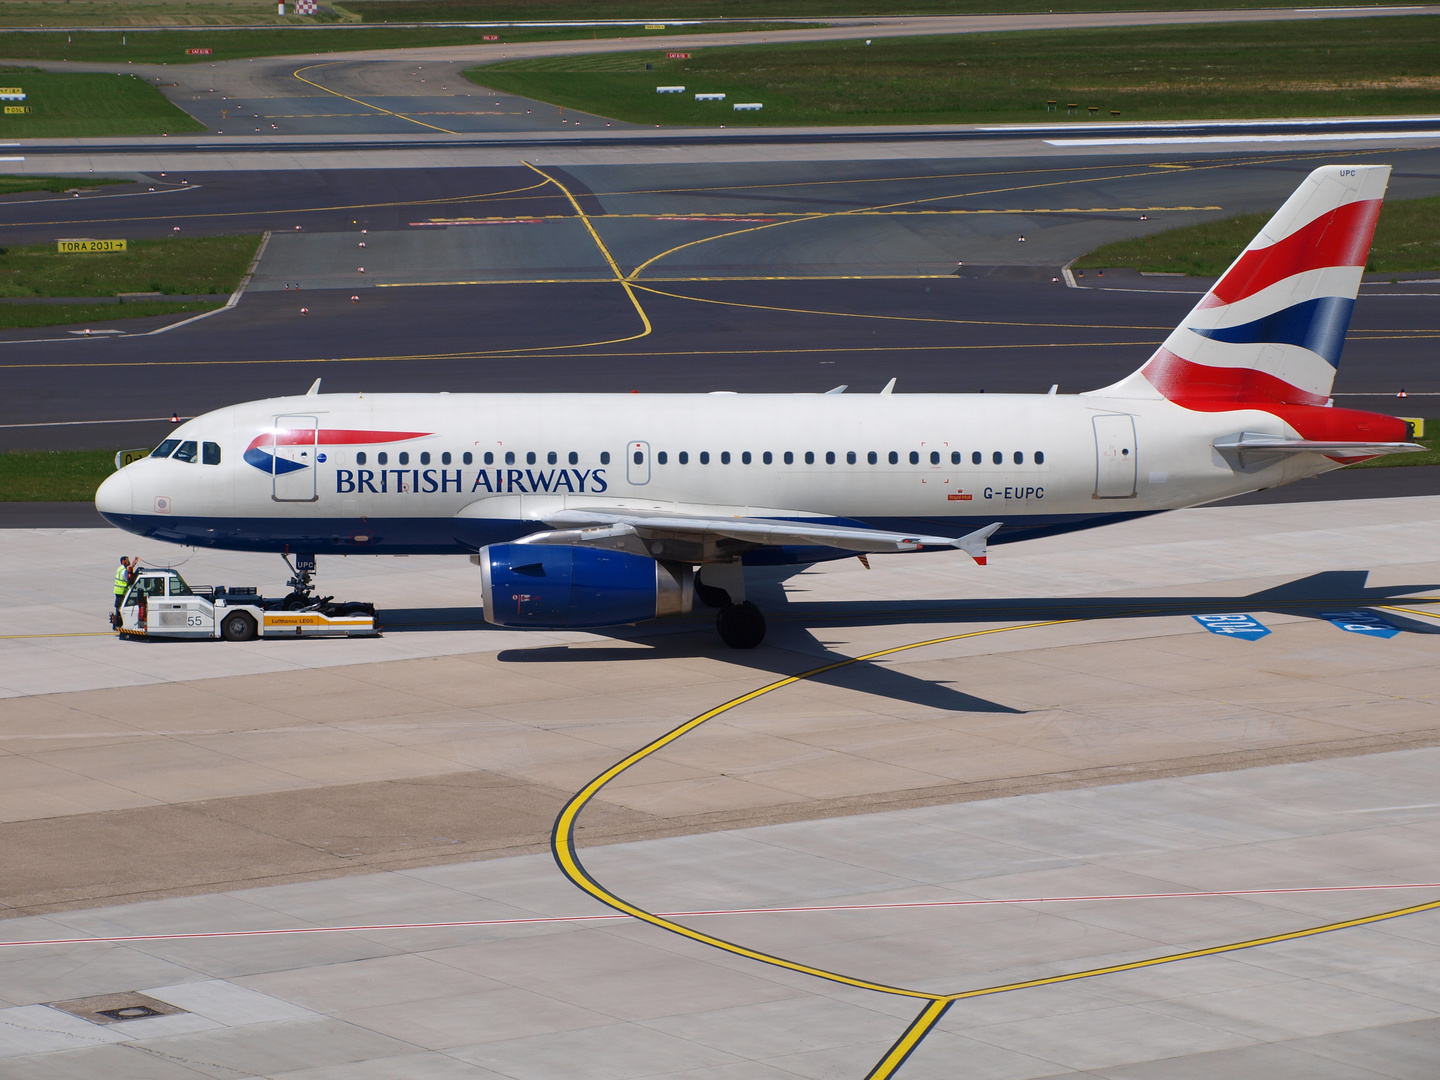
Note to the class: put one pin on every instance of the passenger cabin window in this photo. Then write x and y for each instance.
(489, 458)
(574, 458)
(975, 458)
(604, 457)
(360, 458)
(509, 457)
(383, 458)
(745, 458)
(724, 457)
(662, 457)
(809, 457)
(850, 457)
(189, 451)
(551, 458)
(404, 457)
(166, 448)
(639, 457)
(998, 458)
(212, 453)
(1039, 457)
(704, 457)
(425, 457)
(829, 457)
(444, 458)
(767, 457)
(466, 458)
(914, 457)
(1019, 458)
(934, 457)
(954, 457)
(789, 457)
(530, 458)
(873, 458)
(894, 458)
(683, 457)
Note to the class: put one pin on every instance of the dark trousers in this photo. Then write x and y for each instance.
(118, 598)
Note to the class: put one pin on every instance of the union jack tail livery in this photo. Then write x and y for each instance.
(1271, 329)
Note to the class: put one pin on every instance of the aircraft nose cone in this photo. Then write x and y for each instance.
(116, 494)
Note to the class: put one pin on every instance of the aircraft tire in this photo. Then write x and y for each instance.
(710, 595)
(237, 626)
(741, 626)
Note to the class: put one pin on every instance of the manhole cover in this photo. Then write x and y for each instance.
(116, 1008)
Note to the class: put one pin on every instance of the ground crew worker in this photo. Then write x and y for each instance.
(124, 574)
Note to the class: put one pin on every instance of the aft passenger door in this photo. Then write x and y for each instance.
(293, 464)
(1115, 456)
(637, 463)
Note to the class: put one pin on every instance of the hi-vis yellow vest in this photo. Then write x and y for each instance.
(122, 580)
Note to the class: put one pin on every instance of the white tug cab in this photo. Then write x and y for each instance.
(159, 604)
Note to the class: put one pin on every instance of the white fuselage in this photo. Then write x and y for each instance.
(498, 462)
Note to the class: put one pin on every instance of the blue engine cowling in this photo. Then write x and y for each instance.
(561, 587)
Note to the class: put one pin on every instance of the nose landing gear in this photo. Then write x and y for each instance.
(301, 583)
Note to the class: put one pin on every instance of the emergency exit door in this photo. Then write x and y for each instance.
(294, 458)
(637, 463)
(1115, 456)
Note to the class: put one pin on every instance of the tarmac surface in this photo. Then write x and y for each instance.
(1072, 731)
(1057, 724)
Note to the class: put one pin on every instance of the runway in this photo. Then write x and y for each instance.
(749, 276)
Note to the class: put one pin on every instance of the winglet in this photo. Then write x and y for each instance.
(889, 387)
(973, 544)
(314, 390)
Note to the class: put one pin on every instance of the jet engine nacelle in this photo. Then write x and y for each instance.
(562, 587)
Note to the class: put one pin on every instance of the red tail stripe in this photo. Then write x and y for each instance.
(1340, 237)
(1215, 389)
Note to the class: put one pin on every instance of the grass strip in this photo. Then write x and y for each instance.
(1359, 67)
(660, 10)
(169, 46)
(1407, 240)
(1431, 456)
(88, 103)
(20, 316)
(187, 266)
(13, 185)
(53, 475)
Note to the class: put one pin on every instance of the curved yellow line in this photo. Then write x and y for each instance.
(895, 318)
(562, 841)
(357, 101)
(605, 251)
(563, 848)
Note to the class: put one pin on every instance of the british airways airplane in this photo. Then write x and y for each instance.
(589, 510)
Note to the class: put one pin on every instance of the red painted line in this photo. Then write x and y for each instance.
(216, 934)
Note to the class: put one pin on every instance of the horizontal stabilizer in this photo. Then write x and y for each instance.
(1250, 442)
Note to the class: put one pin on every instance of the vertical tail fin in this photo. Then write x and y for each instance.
(1271, 329)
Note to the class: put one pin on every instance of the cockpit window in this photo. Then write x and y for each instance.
(166, 448)
(188, 451)
(212, 453)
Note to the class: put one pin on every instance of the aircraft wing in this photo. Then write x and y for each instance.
(621, 529)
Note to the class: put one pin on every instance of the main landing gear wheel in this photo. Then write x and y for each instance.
(237, 626)
(741, 626)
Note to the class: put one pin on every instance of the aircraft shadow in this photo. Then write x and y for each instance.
(793, 646)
